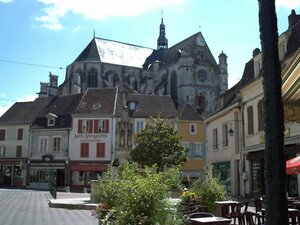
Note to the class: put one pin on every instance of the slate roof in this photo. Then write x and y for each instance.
(61, 106)
(172, 54)
(97, 101)
(114, 52)
(24, 112)
(152, 106)
(189, 113)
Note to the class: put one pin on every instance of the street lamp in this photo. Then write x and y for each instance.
(230, 132)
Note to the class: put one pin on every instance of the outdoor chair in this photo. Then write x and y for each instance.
(236, 212)
(252, 218)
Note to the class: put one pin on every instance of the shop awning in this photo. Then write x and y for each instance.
(293, 166)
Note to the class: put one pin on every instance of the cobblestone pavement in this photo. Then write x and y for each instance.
(30, 207)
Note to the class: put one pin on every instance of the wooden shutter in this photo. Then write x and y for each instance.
(250, 119)
(2, 135)
(84, 150)
(100, 150)
(106, 126)
(96, 126)
(19, 151)
(20, 133)
(79, 126)
(90, 126)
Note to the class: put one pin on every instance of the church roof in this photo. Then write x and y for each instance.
(114, 52)
(152, 106)
(173, 54)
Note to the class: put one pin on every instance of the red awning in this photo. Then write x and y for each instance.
(293, 166)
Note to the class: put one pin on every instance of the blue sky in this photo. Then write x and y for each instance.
(42, 36)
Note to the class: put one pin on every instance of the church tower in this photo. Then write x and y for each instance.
(162, 41)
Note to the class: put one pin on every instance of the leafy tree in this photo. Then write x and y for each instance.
(158, 144)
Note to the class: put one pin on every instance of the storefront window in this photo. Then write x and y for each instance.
(257, 176)
(40, 175)
(222, 172)
(84, 177)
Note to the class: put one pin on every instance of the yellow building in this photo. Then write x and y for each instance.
(192, 132)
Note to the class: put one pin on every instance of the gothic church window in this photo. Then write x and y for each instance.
(174, 86)
(129, 134)
(92, 78)
(202, 76)
(201, 101)
(115, 80)
(122, 138)
(135, 85)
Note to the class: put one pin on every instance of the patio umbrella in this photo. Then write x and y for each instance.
(293, 166)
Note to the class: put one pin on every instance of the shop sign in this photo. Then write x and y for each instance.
(90, 137)
(47, 164)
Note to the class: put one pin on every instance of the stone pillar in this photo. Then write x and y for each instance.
(93, 190)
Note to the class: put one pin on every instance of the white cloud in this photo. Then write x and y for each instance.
(292, 4)
(5, 1)
(5, 103)
(26, 98)
(3, 109)
(97, 9)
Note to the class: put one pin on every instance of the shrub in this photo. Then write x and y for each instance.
(138, 197)
(210, 189)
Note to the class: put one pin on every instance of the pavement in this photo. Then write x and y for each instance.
(31, 207)
(70, 200)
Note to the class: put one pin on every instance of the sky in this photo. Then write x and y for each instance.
(42, 36)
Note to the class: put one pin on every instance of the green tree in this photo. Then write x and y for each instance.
(158, 144)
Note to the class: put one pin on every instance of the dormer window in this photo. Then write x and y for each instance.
(132, 106)
(51, 122)
(51, 119)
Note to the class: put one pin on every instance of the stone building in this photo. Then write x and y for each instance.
(186, 71)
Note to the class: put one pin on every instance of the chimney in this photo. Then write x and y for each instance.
(255, 52)
(293, 19)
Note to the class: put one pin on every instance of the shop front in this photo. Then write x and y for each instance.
(42, 172)
(13, 173)
(221, 171)
(82, 172)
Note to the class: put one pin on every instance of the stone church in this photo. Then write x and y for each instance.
(186, 71)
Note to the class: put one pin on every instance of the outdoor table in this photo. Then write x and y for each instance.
(223, 207)
(292, 214)
(296, 204)
(210, 221)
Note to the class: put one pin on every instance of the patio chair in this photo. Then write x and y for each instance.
(252, 218)
(236, 212)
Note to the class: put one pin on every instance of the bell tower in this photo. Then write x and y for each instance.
(162, 41)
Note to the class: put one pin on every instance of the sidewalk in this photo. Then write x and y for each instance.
(71, 201)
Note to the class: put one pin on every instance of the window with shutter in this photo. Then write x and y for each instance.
(20, 134)
(250, 119)
(19, 151)
(84, 150)
(100, 150)
(2, 135)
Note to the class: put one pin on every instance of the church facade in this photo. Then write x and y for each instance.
(186, 71)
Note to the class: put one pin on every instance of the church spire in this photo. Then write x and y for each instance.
(162, 41)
